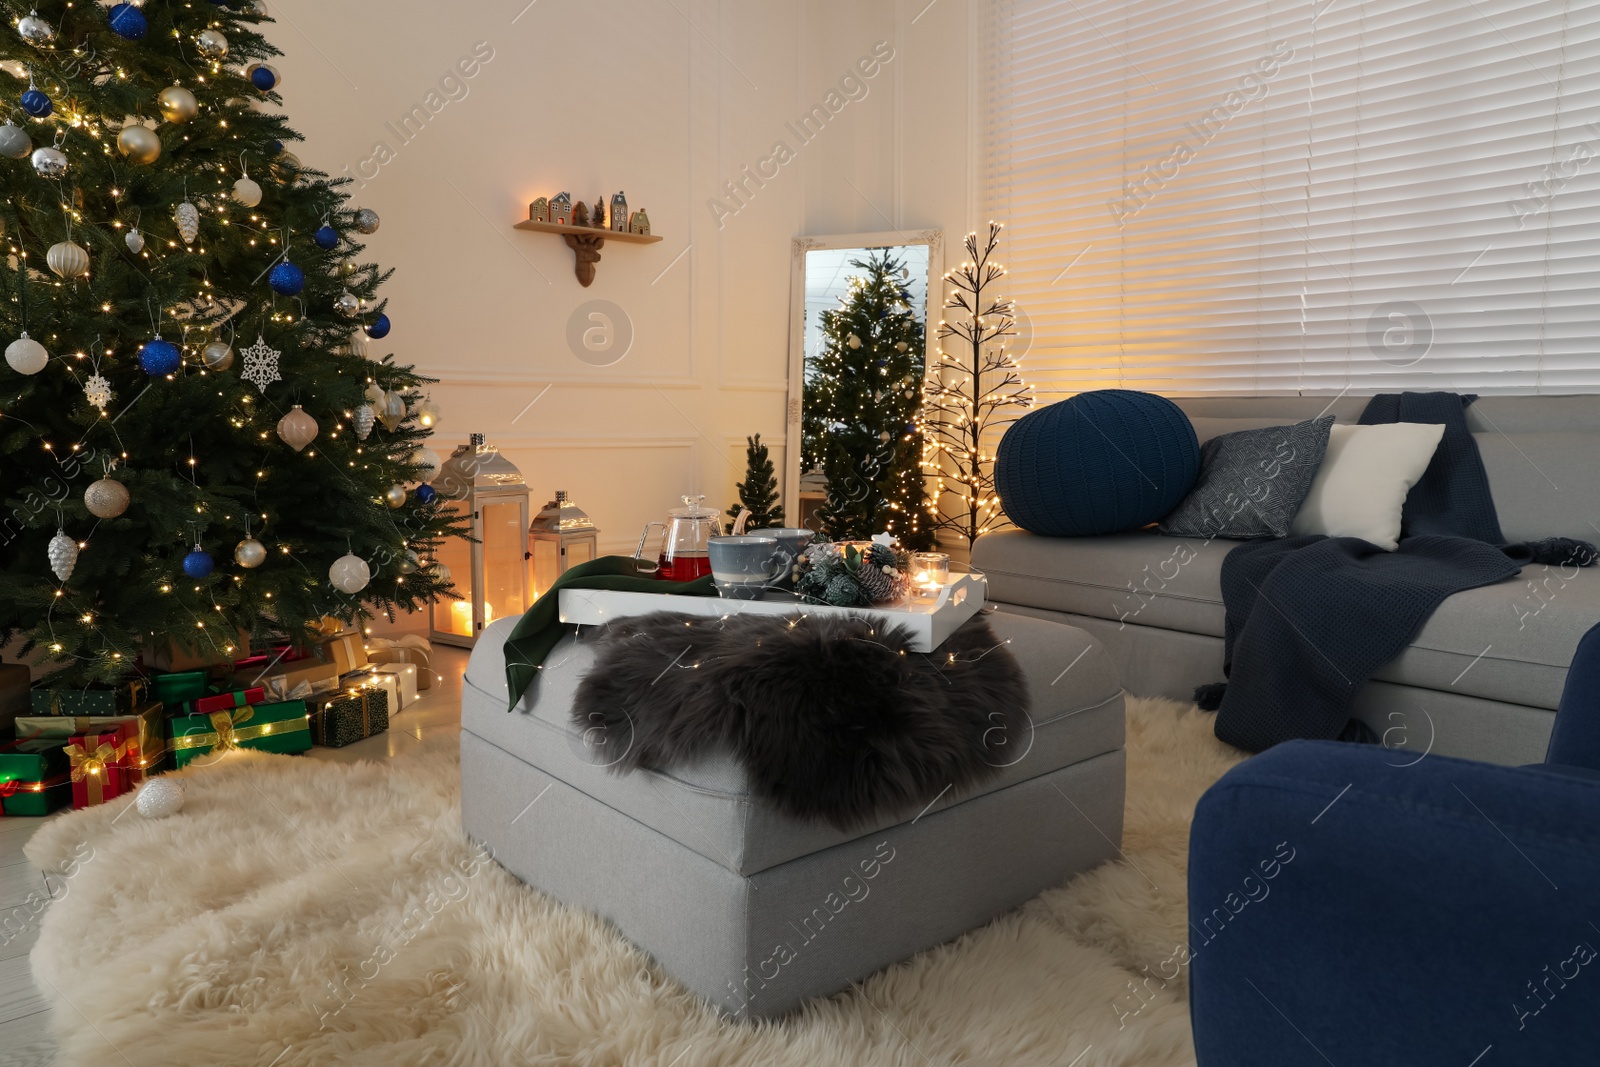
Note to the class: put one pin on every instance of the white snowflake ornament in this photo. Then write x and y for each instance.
(261, 364)
(98, 391)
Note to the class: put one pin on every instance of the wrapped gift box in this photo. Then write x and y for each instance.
(223, 701)
(301, 680)
(346, 652)
(268, 661)
(101, 762)
(121, 700)
(405, 676)
(349, 716)
(174, 688)
(149, 731)
(276, 727)
(35, 776)
(369, 676)
(172, 657)
(408, 649)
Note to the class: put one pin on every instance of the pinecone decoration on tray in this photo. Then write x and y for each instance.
(877, 581)
(853, 576)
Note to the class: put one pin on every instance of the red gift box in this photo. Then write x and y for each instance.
(257, 664)
(103, 764)
(224, 701)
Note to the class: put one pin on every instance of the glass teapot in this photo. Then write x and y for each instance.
(684, 554)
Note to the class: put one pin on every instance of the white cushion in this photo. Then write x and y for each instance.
(1362, 484)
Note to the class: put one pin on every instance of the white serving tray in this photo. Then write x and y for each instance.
(929, 619)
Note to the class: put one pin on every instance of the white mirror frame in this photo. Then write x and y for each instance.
(934, 240)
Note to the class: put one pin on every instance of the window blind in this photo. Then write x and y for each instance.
(1287, 196)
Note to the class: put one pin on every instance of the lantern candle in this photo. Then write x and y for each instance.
(931, 572)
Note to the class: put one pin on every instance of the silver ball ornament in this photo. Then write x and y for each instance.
(14, 141)
(349, 574)
(26, 356)
(49, 162)
(408, 563)
(217, 356)
(250, 553)
(367, 220)
(35, 30)
(211, 44)
(159, 797)
(68, 259)
(247, 192)
(440, 572)
(347, 305)
(395, 496)
(106, 498)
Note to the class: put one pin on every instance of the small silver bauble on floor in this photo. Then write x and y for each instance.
(159, 797)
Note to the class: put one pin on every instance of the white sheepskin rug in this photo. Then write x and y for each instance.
(306, 912)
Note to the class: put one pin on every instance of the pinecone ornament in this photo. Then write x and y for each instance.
(63, 553)
(188, 219)
(877, 581)
(843, 592)
(364, 418)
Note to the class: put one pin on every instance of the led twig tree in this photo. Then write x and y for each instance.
(970, 395)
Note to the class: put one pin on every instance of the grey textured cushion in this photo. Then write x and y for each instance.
(1252, 482)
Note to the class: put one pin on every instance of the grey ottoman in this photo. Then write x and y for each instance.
(757, 912)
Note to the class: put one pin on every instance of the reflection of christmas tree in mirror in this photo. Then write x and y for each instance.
(863, 386)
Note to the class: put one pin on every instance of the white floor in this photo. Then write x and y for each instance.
(435, 719)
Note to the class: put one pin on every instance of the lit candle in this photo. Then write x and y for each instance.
(932, 571)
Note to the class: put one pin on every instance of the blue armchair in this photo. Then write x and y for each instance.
(1350, 906)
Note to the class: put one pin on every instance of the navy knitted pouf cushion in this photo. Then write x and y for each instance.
(1099, 463)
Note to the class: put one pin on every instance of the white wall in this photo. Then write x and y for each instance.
(666, 99)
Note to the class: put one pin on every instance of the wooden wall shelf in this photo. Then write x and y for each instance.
(586, 242)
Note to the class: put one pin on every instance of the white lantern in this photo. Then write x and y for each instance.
(477, 482)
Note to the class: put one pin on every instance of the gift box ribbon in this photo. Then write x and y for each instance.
(92, 766)
(226, 732)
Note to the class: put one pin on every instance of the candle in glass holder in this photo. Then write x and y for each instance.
(931, 571)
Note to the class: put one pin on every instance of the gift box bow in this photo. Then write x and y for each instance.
(90, 766)
(224, 723)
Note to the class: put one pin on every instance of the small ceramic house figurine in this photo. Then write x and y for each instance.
(539, 210)
(619, 212)
(639, 223)
(561, 209)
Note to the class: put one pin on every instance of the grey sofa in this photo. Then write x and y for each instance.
(1483, 677)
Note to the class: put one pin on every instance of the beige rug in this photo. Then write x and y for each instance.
(303, 912)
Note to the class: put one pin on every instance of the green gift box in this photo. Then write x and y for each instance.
(350, 715)
(125, 699)
(173, 689)
(281, 727)
(35, 776)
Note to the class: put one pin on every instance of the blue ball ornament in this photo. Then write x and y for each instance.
(426, 493)
(263, 78)
(274, 148)
(159, 357)
(326, 237)
(287, 279)
(128, 21)
(198, 563)
(379, 327)
(36, 104)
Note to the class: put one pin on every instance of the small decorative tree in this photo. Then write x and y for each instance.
(970, 395)
(759, 490)
(863, 390)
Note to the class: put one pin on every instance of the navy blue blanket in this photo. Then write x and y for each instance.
(1311, 619)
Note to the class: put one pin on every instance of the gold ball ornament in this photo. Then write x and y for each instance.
(68, 259)
(250, 553)
(140, 144)
(177, 104)
(286, 168)
(297, 428)
(106, 499)
(217, 356)
(395, 496)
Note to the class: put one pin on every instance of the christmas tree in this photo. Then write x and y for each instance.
(188, 457)
(759, 490)
(863, 389)
(973, 393)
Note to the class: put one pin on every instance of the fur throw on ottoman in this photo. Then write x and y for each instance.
(833, 718)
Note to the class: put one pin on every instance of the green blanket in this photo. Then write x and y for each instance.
(540, 628)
